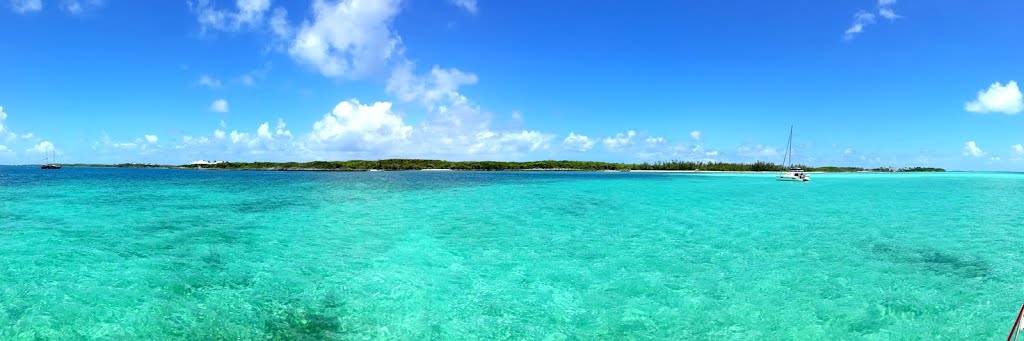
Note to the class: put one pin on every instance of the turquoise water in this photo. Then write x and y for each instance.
(170, 254)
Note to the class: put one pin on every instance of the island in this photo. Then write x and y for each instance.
(546, 165)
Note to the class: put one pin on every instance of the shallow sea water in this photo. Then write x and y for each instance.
(170, 254)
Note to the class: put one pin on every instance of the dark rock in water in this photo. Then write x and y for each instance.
(935, 260)
(300, 324)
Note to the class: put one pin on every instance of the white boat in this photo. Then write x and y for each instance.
(794, 173)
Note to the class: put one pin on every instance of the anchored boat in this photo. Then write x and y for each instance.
(795, 173)
(47, 164)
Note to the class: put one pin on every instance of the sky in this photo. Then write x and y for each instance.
(863, 82)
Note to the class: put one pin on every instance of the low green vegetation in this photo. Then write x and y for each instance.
(416, 164)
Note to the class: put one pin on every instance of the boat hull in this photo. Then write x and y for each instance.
(793, 177)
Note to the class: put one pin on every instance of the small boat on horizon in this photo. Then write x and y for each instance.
(794, 173)
(47, 164)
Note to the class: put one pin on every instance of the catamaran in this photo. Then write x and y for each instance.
(794, 173)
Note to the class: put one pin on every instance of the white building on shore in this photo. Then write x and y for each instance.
(206, 163)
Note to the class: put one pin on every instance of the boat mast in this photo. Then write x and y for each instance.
(789, 148)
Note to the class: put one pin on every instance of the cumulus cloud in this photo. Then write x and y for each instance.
(209, 82)
(264, 131)
(42, 148)
(695, 135)
(579, 143)
(219, 105)
(468, 5)
(971, 149)
(438, 86)
(1018, 150)
(620, 140)
(247, 13)
(350, 38)
(280, 130)
(151, 138)
(355, 126)
(1000, 98)
(26, 6)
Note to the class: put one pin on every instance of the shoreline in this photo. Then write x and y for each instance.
(653, 171)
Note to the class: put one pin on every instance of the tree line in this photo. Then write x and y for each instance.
(418, 164)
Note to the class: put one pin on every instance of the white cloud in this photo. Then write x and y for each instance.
(219, 134)
(888, 13)
(971, 149)
(711, 153)
(440, 85)
(279, 24)
(280, 130)
(695, 135)
(76, 7)
(350, 38)
(864, 18)
(885, 9)
(620, 140)
(264, 131)
(209, 82)
(247, 13)
(468, 5)
(654, 140)
(6, 134)
(152, 138)
(3, 117)
(1018, 150)
(1005, 99)
(492, 143)
(26, 6)
(4, 149)
(847, 151)
(220, 105)
(355, 126)
(860, 20)
(42, 148)
(237, 137)
(579, 143)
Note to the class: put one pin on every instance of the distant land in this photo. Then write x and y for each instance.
(416, 164)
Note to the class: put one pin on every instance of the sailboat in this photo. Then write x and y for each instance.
(48, 165)
(794, 173)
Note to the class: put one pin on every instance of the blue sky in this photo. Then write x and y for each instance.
(866, 83)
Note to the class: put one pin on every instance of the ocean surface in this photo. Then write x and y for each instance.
(88, 253)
